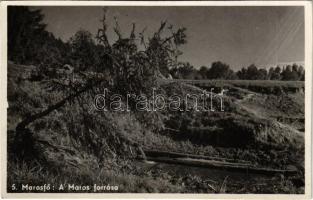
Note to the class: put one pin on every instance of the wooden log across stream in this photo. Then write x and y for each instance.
(203, 161)
(154, 153)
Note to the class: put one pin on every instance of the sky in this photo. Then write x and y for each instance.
(236, 35)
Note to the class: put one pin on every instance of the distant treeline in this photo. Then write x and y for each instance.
(30, 43)
(219, 70)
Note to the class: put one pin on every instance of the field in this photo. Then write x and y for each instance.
(242, 83)
(268, 86)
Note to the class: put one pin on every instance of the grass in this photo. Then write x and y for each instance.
(141, 180)
(33, 174)
(67, 127)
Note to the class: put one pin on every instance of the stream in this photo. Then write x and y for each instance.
(237, 182)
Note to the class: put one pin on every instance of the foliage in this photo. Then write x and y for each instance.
(274, 74)
(136, 71)
(26, 33)
(184, 70)
(84, 55)
(288, 73)
(220, 70)
(165, 51)
(292, 73)
(29, 42)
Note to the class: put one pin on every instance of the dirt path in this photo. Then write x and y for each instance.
(250, 95)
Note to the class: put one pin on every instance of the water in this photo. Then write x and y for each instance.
(205, 173)
(237, 182)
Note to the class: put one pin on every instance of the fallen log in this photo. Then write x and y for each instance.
(222, 165)
(154, 153)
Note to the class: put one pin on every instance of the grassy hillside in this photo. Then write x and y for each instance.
(256, 127)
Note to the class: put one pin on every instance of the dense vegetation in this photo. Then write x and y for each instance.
(30, 43)
(219, 70)
(53, 136)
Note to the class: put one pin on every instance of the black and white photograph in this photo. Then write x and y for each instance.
(197, 99)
